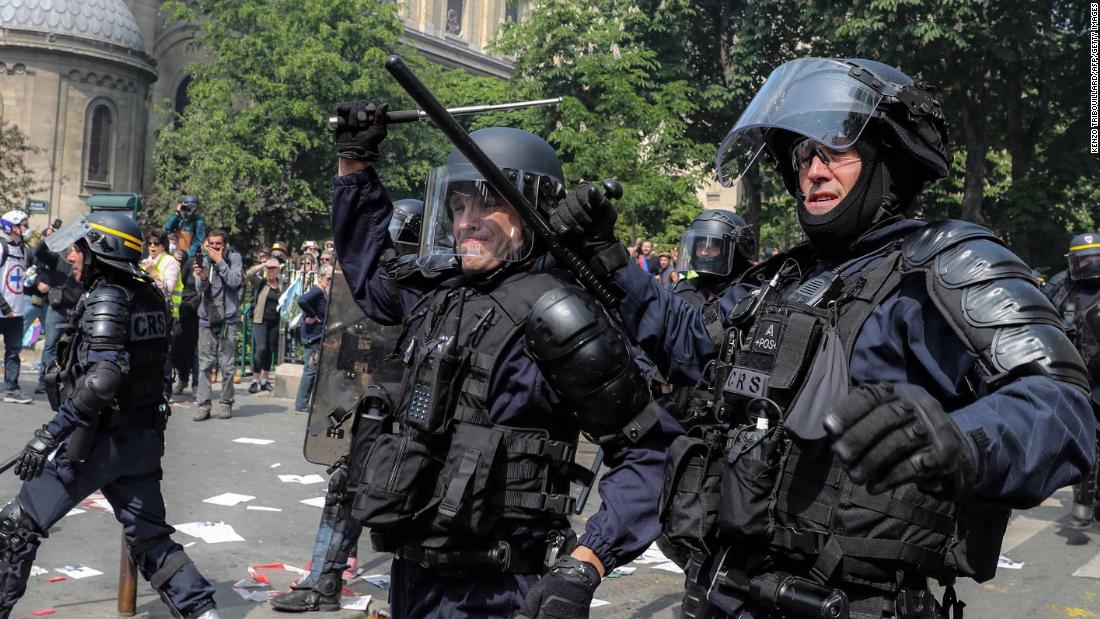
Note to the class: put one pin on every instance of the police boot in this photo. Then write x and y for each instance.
(1081, 516)
(323, 596)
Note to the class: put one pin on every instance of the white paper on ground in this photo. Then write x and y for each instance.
(210, 532)
(315, 502)
(598, 603)
(297, 570)
(276, 465)
(255, 596)
(253, 441)
(72, 512)
(248, 583)
(302, 479)
(228, 499)
(189, 544)
(378, 580)
(624, 570)
(669, 567)
(1007, 563)
(359, 602)
(261, 508)
(77, 572)
(37, 571)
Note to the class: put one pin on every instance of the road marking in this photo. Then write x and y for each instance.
(1020, 530)
(1090, 569)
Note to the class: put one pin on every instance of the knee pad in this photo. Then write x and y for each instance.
(16, 529)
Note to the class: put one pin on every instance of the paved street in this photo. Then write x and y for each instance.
(1060, 576)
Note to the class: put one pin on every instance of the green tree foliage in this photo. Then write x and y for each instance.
(16, 180)
(622, 117)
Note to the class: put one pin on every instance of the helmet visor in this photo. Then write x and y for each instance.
(63, 238)
(1084, 262)
(705, 253)
(403, 232)
(818, 98)
(464, 216)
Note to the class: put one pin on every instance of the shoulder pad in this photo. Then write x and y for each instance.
(929, 241)
(973, 261)
(1039, 348)
(106, 319)
(1006, 302)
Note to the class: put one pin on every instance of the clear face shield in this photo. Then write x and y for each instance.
(65, 237)
(1084, 263)
(827, 101)
(705, 253)
(465, 217)
(403, 232)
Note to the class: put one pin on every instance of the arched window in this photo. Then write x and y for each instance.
(99, 144)
(182, 98)
(454, 17)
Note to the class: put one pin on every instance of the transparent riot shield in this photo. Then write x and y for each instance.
(351, 358)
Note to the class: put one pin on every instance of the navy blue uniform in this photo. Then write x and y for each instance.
(1041, 431)
(124, 459)
(906, 340)
(519, 396)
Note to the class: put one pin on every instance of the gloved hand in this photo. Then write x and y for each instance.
(889, 434)
(362, 130)
(33, 459)
(587, 215)
(563, 593)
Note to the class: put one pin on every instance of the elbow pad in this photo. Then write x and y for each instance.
(588, 363)
(98, 390)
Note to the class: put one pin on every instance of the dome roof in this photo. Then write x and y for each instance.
(105, 21)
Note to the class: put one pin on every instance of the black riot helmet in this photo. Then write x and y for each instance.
(718, 242)
(1084, 257)
(457, 190)
(113, 239)
(405, 225)
(821, 106)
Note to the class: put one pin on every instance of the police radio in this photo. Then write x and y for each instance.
(818, 290)
(429, 398)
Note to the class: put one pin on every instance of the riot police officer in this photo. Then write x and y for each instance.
(715, 250)
(1075, 293)
(888, 389)
(108, 433)
(505, 363)
(405, 225)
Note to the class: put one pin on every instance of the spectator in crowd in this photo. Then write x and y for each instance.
(173, 244)
(165, 271)
(666, 274)
(330, 245)
(189, 226)
(314, 304)
(185, 333)
(62, 291)
(256, 270)
(310, 247)
(219, 279)
(265, 324)
(13, 261)
(645, 258)
(327, 258)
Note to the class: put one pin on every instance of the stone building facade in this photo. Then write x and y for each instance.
(86, 80)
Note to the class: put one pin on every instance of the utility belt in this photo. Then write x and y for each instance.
(795, 596)
(498, 556)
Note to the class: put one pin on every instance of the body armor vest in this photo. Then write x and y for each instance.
(145, 341)
(776, 486)
(449, 475)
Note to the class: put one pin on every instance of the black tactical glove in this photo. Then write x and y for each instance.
(33, 459)
(362, 128)
(564, 593)
(889, 434)
(588, 215)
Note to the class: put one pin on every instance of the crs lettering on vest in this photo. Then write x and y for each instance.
(746, 383)
(148, 326)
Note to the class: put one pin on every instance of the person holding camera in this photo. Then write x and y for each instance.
(62, 291)
(219, 278)
(189, 226)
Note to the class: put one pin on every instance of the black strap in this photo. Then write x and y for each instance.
(174, 564)
(561, 504)
(712, 322)
(878, 284)
(554, 450)
(457, 488)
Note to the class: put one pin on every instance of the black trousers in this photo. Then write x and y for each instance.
(266, 337)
